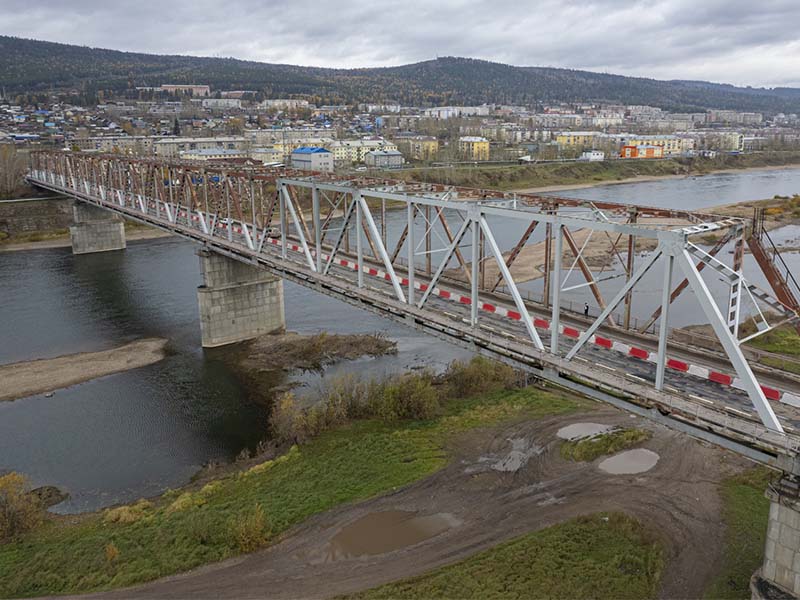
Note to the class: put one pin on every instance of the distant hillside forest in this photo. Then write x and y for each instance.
(29, 66)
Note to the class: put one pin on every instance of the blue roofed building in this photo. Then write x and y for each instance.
(312, 158)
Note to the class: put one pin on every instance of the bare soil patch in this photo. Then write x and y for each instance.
(678, 499)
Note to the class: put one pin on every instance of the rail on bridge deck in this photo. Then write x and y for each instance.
(442, 259)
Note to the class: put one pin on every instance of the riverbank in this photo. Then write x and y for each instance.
(487, 453)
(645, 178)
(61, 239)
(27, 378)
(542, 177)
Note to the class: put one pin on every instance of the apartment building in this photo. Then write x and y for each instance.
(355, 151)
(473, 147)
(169, 147)
(384, 159)
(420, 147)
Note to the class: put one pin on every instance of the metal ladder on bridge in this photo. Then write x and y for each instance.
(780, 278)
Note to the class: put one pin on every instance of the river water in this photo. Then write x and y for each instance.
(133, 434)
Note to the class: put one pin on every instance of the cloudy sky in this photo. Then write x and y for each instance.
(744, 42)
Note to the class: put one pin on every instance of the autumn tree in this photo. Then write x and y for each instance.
(12, 170)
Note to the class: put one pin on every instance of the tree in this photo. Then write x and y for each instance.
(176, 128)
(12, 169)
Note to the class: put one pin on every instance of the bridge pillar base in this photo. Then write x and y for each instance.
(95, 230)
(237, 301)
(781, 570)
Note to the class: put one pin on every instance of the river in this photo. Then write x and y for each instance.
(134, 434)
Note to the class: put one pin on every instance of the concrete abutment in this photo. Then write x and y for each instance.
(95, 230)
(237, 301)
(779, 577)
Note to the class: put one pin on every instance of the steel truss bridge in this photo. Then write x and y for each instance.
(445, 272)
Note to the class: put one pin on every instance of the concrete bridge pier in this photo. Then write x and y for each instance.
(95, 230)
(779, 577)
(237, 301)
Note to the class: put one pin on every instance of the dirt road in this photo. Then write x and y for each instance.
(37, 376)
(678, 499)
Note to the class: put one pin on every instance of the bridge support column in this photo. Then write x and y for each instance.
(237, 301)
(95, 230)
(781, 567)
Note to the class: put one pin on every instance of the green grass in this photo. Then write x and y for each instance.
(596, 556)
(746, 513)
(587, 450)
(782, 340)
(184, 530)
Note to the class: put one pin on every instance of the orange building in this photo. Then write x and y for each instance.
(642, 152)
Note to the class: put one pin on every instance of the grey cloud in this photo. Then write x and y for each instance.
(736, 41)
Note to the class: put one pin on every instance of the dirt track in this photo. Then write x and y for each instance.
(678, 499)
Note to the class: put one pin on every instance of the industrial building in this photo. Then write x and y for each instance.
(312, 158)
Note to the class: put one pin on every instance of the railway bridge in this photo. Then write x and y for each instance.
(454, 262)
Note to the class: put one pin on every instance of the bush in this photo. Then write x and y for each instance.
(409, 396)
(127, 514)
(478, 376)
(20, 511)
(286, 419)
(251, 530)
(112, 552)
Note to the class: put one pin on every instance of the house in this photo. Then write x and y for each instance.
(311, 158)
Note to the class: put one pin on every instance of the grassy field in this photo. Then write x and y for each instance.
(247, 510)
(746, 514)
(587, 450)
(549, 174)
(597, 556)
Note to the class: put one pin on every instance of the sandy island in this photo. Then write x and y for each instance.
(30, 377)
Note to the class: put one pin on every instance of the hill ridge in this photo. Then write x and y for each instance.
(37, 66)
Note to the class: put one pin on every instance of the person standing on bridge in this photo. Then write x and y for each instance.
(585, 309)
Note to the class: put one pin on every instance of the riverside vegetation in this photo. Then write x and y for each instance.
(361, 439)
(577, 173)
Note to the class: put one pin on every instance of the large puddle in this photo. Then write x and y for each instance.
(382, 532)
(630, 462)
(579, 431)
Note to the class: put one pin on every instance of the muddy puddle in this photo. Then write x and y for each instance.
(382, 532)
(521, 451)
(630, 462)
(579, 431)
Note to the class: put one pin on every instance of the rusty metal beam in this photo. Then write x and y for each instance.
(587, 274)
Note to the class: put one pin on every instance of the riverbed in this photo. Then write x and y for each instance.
(137, 433)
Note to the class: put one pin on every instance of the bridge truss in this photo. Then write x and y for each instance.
(441, 258)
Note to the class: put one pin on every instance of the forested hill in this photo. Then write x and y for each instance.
(34, 66)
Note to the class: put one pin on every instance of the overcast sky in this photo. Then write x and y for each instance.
(744, 42)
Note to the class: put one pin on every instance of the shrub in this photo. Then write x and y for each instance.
(285, 420)
(127, 514)
(20, 511)
(251, 530)
(409, 396)
(186, 501)
(112, 552)
(478, 376)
